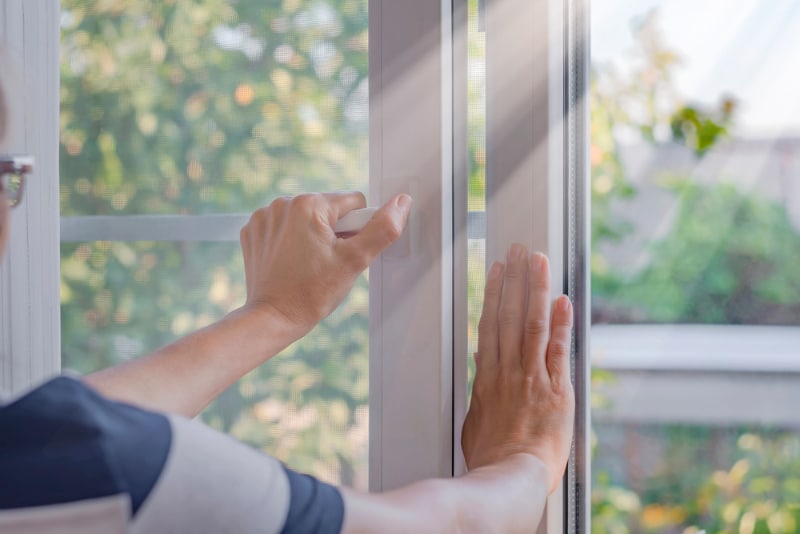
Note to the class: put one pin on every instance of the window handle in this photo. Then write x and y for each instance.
(354, 221)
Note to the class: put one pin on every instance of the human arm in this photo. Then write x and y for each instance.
(297, 271)
(516, 437)
(518, 430)
(507, 496)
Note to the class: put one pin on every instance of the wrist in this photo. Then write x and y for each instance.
(531, 463)
(268, 324)
(512, 490)
(521, 461)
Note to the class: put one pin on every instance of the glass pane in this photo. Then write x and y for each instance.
(212, 106)
(308, 406)
(695, 153)
(209, 106)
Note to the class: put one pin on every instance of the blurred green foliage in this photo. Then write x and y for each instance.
(208, 106)
(759, 494)
(700, 130)
(728, 257)
(729, 254)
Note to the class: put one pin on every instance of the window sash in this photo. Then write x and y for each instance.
(411, 341)
(404, 147)
(536, 181)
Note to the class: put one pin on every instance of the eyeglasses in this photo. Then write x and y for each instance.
(13, 171)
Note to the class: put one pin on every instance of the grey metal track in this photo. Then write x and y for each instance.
(577, 220)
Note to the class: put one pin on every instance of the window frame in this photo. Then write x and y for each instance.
(422, 152)
(525, 157)
(30, 327)
(537, 175)
(537, 135)
(410, 289)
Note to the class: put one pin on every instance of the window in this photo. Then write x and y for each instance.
(177, 118)
(694, 154)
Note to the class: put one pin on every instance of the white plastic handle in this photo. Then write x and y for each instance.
(354, 221)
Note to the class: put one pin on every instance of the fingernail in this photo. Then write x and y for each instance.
(494, 271)
(564, 303)
(403, 202)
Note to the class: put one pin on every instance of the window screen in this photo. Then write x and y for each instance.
(205, 107)
(476, 193)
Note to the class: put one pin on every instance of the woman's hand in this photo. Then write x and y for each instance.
(297, 268)
(522, 397)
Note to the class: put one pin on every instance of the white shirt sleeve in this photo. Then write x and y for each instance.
(213, 483)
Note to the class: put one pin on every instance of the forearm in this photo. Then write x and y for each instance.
(185, 376)
(508, 496)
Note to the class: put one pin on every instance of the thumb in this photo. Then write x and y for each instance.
(383, 229)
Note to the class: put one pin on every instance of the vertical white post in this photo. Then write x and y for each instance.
(29, 274)
(525, 180)
(411, 351)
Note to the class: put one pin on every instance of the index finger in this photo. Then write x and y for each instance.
(342, 202)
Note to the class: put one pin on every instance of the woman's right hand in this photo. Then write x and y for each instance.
(522, 397)
(297, 269)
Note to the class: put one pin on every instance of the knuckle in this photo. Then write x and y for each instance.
(492, 291)
(563, 391)
(536, 327)
(540, 283)
(280, 202)
(393, 231)
(259, 216)
(564, 322)
(508, 317)
(514, 273)
(305, 203)
(486, 324)
(559, 349)
(390, 230)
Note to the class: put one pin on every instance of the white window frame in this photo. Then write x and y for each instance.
(411, 319)
(30, 327)
(537, 66)
(418, 328)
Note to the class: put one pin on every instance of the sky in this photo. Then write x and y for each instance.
(747, 48)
